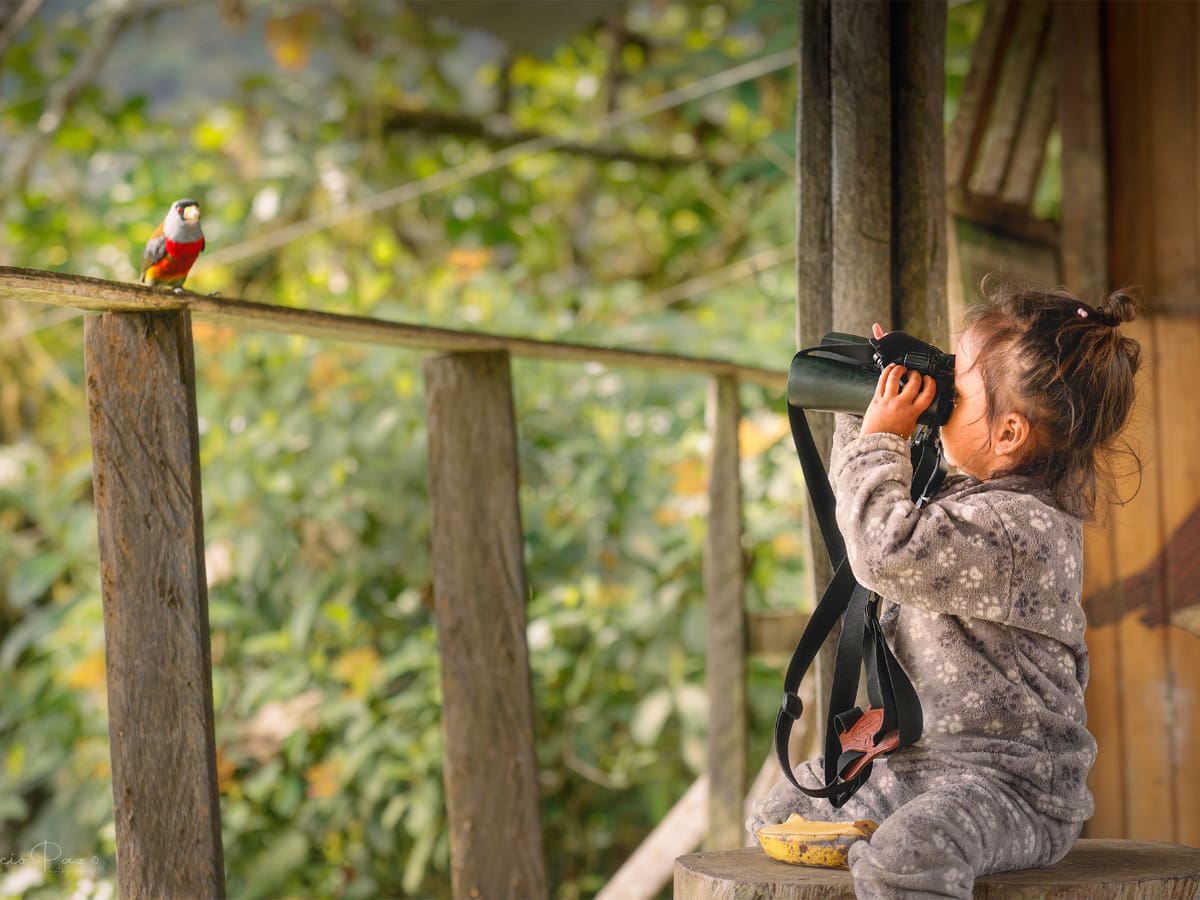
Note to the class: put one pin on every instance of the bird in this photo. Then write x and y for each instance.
(174, 246)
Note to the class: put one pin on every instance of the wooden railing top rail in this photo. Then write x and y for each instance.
(98, 295)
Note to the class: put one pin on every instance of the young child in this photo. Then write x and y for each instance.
(983, 589)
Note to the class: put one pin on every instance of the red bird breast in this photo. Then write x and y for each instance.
(177, 261)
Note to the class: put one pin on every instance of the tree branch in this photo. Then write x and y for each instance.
(65, 94)
(23, 13)
(432, 122)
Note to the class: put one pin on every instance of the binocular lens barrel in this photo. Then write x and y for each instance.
(826, 385)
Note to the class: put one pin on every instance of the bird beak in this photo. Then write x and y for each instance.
(192, 214)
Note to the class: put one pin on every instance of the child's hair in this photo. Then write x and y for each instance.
(1067, 368)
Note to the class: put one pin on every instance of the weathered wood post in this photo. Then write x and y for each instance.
(814, 268)
(479, 598)
(141, 391)
(725, 667)
(861, 96)
(919, 249)
(871, 228)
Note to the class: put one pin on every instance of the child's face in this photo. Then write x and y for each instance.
(966, 437)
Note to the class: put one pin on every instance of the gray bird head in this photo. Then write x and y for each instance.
(182, 224)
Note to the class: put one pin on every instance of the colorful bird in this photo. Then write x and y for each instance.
(174, 246)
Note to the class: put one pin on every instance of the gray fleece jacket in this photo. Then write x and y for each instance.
(983, 589)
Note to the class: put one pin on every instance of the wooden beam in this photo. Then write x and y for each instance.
(1178, 413)
(141, 391)
(1172, 185)
(479, 601)
(1077, 47)
(775, 633)
(978, 90)
(1009, 221)
(98, 295)
(724, 582)
(649, 868)
(1033, 132)
(1012, 94)
(1080, 95)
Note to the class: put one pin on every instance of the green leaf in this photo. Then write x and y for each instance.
(271, 870)
(650, 716)
(33, 577)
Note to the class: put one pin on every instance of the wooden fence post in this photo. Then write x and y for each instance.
(479, 598)
(141, 391)
(724, 577)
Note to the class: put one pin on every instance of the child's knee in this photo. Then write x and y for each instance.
(900, 861)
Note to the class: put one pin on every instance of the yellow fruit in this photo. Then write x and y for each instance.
(802, 842)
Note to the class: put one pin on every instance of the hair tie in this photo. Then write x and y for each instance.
(1081, 312)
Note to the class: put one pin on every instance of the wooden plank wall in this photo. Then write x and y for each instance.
(1142, 591)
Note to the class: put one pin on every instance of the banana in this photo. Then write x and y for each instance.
(802, 842)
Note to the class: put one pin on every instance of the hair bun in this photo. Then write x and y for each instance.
(1121, 306)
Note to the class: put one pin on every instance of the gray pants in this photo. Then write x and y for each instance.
(936, 834)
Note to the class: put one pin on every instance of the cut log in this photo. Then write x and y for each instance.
(1093, 870)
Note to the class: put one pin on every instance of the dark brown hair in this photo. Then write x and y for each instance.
(1068, 369)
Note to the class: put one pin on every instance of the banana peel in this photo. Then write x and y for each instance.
(802, 842)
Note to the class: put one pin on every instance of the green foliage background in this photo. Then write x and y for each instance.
(314, 454)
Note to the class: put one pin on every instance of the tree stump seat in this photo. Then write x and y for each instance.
(1093, 870)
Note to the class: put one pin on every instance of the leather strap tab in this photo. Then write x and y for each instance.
(860, 738)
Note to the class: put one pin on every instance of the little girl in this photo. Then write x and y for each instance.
(982, 588)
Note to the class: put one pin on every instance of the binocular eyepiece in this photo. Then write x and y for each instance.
(840, 374)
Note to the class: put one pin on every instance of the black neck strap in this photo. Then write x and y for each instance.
(862, 643)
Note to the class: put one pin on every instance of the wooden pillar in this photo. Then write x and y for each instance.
(871, 221)
(724, 579)
(479, 597)
(814, 183)
(141, 394)
(814, 277)
(1080, 79)
(862, 166)
(1084, 261)
(919, 249)
(1149, 653)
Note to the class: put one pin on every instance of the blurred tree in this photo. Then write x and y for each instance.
(325, 665)
(383, 159)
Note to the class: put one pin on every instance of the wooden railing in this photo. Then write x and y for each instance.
(141, 394)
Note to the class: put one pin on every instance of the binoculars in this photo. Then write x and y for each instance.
(841, 373)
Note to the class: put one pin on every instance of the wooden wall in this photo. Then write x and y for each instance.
(1142, 589)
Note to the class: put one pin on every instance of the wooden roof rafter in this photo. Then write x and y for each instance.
(996, 147)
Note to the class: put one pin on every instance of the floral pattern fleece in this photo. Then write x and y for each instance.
(982, 609)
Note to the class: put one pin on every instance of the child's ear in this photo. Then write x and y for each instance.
(1012, 433)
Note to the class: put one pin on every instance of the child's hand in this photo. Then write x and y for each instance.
(895, 408)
